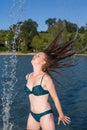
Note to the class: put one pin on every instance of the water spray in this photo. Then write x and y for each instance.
(9, 78)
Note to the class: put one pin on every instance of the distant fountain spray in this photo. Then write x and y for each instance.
(9, 74)
(8, 82)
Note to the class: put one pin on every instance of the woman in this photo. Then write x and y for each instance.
(40, 85)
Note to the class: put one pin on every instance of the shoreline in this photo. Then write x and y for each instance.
(30, 53)
(15, 53)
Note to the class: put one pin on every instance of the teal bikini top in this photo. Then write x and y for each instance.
(37, 90)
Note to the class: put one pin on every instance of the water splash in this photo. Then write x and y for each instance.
(16, 11)
(8, 82)
(9, 70)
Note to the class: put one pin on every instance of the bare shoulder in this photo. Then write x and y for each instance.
(48, 79)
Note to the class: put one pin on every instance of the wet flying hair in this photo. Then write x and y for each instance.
(57, 54)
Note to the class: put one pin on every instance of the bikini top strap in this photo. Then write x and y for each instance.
(42, 79)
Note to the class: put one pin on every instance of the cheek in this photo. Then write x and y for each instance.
(43, 64)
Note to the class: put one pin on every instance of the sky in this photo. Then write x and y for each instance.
(13, 11)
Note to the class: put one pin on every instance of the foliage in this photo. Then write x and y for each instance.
(28, 31)
(6, 37)
(27, 38)
(50, 22)
(54, 29)
(36, 43)
(23, 48)
(3, 49)
(41, 42)
(71, 27)
(81, 29)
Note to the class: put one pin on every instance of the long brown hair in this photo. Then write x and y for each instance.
(57, 53)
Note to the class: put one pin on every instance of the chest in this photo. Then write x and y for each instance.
(33, 82)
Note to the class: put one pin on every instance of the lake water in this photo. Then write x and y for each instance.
(72, 93)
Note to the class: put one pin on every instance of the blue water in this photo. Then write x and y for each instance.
(72, 94)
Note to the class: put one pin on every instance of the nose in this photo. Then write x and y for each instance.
(34, 57)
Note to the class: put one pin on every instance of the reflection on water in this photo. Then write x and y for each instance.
(72, 94)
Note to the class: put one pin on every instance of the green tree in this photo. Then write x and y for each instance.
(36, 43)
(6, 37)
(85, 26)
(28, 31)
(81, 29)
(85, 41)
(50, 22)
(71, 27)
(57, 27)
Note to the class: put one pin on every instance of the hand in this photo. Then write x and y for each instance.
(64, 119)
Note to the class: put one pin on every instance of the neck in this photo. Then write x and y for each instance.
(37, 71)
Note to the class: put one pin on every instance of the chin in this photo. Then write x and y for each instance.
(31, 61)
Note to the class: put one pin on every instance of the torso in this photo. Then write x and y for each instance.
(38, 95)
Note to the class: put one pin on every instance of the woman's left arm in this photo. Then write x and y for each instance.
(51, 88)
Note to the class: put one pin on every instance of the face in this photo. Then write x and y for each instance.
(39, 58)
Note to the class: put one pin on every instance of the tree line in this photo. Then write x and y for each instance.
(25, 37)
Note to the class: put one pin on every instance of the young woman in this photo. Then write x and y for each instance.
(40, 85)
